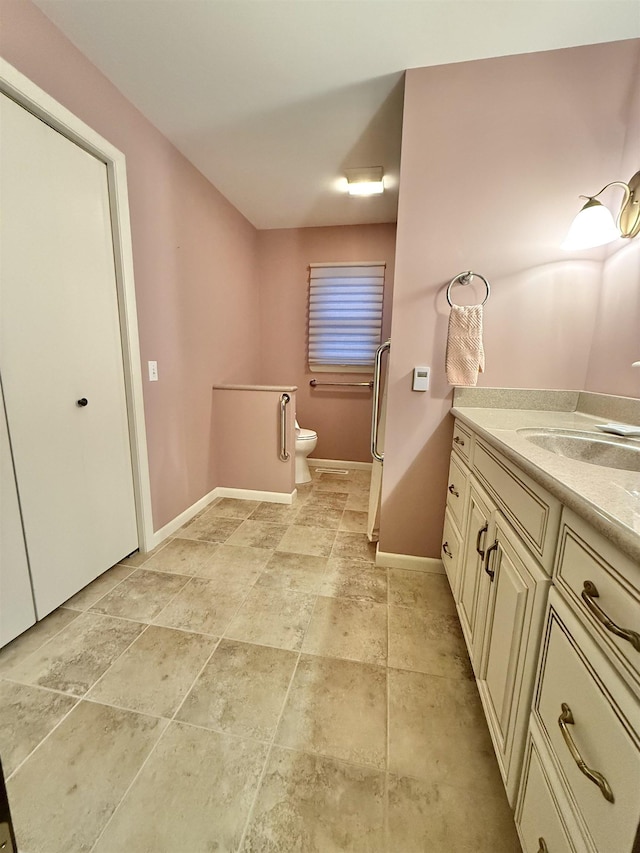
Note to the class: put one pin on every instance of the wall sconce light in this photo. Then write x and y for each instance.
(594, 225)
(365, 181)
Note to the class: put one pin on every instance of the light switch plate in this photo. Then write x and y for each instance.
(153, 371)
(421, 377)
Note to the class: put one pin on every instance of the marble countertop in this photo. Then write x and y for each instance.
(607, 498)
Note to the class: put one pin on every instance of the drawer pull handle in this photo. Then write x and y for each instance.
(588, 594)
(458, 440)
(453, 490)
(445, 548)
(542, 846)
(487, 560)
(478, 538)
(564, 721)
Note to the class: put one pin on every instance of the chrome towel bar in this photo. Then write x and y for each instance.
(315, 384)
(284, 453)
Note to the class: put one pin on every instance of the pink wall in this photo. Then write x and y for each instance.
(342, 418)
(246, 424)
(616, 342)
(194, 261)
(494, 155)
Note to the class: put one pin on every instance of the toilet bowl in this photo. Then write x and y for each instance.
(306, 440)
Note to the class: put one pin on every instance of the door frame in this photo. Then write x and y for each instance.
(25, 93)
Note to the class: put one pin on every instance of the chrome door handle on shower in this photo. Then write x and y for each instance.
(284, 453)
(385, 347)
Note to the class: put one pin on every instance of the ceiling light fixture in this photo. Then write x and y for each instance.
(594, 225)
(365, 181)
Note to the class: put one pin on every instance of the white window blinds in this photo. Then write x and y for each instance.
(345, 315)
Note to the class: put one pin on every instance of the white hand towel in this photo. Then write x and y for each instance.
(465, 352)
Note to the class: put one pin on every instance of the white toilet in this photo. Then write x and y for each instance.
(306, 440)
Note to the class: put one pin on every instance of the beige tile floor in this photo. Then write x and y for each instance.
(256, 684)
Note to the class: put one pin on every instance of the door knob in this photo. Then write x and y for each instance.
(82, 402)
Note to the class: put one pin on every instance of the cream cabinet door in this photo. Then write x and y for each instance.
(61, 358)
(471, 602)
(517, 593)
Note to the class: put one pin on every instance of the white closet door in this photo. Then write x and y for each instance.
(60, 343)
(17, 612)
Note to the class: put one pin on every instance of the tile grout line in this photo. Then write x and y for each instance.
(165, 728)
(80, 613)
(268, 756)
(131, 784)
(171, 600)
(47, 736)
(275, 732)
(169, 720)
(68, 606)
(193, 683)
(115, 660)
(52, 637)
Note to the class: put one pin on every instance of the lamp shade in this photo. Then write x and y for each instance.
(593, 226)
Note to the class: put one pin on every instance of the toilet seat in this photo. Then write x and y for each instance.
(305, 435)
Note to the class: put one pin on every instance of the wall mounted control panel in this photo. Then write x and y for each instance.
(421, 378)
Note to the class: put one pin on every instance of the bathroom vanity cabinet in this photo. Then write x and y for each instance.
(550, 612)
(500, 588)
(586, 705)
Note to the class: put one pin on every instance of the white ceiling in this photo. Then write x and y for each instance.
(273, 99)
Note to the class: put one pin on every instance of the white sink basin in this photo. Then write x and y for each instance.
(607, 451)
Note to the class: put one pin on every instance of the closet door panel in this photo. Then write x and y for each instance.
(17, 612)
(61, 344)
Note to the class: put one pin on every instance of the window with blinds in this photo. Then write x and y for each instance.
(345, 316)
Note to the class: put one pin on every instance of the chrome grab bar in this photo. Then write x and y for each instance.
(315, 384)
(284, 453)
(385, 347)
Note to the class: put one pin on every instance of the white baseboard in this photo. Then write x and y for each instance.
(407, 561)
(219, 492)
(176, 523)
(339, 463)
(252, 495)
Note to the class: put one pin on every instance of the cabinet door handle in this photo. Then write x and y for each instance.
(588, 594)
(542, 848)
(458, 440)
(564, 721)
(478, 538)
(453, 490)
(487, 559)
(445, 548)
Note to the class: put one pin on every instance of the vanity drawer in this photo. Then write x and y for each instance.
(462, 440)
(457, 489)
(538, 817)
(533, 512)
(451, 548)
(602, 584)
(577, 692)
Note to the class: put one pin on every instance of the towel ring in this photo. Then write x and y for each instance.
(465, 278)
